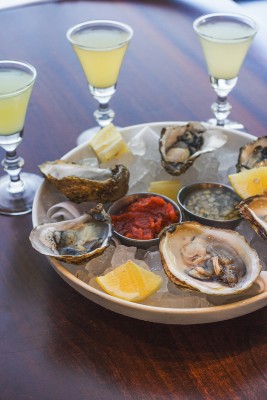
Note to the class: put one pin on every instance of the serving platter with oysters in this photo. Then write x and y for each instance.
(207, 273)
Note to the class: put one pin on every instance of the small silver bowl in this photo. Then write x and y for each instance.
(125, 201)
(188, 190)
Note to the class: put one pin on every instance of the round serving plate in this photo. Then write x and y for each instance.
(235, 140)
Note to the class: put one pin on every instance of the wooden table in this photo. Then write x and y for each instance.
(55, 344)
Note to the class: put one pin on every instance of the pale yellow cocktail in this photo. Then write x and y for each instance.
(15, 92)
(17, 189)
(100, 46)
(225, 39)
(101, 53)
(225, 45)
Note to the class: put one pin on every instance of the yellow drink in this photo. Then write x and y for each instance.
(15, 91)
(225, 45)
(101, 52)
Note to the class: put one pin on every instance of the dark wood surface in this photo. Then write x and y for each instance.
(54, 343)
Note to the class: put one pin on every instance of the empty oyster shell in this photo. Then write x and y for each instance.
(253, 155)
(84, 183)
(254, 210)
(74, 241)
(181, 145)
(208, 260)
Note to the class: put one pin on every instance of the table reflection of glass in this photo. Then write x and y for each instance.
(100, 46)
(225, 39)
(17, 189)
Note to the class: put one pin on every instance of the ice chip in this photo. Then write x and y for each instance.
(146, 144)
(83, 276)
(122, 254)
(97, 265)
(207, 167)
(153, 260)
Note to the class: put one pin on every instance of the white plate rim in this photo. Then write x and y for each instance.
(146, 312)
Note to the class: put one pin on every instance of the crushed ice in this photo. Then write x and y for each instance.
(145, 166)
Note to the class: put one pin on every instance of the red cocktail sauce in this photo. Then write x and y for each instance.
(144, 218)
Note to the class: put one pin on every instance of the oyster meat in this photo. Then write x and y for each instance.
(253, 155)
(208, 260)
(181, 145)
(74, 241)
(254, 210)
(81, 183)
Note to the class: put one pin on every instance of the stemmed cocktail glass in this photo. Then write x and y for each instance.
(17, 189)
(100, 46)
(225, 39)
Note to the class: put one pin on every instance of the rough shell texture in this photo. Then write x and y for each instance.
(253, 155)
(74, 241)
(188, 248)
(254, 210)
(93, 184)
(178, 144)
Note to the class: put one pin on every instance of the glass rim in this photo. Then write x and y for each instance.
(95, 22)
(13, 63)
(244, 18)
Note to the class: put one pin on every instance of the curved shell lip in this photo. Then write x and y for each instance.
(126, 201)
(184, 281)
(186, 190)
(177, 168)
(85, 189)
(99, 217)
(240, 166)
(260, 227)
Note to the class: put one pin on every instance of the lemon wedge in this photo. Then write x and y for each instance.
(108, 143)
(166, 188)
(249, 182)
(130, 282)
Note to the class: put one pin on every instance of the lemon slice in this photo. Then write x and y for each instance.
(249, 182)
(166, 188)
(130, 282)
(108, 144)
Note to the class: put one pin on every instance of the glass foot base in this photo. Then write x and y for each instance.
(228, 124)
(18, 203)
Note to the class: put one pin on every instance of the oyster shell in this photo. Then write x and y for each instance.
(177, 146)
(80, 183)
(208, 260)
(74, 241)
(253, 155)
(180, 146)
(254, 210)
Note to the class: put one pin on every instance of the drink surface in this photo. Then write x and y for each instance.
(101, 52)
(225, 45)
(14, 98)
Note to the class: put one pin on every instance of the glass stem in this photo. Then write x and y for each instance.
(12, 165)
(103, 115)
(221, 109)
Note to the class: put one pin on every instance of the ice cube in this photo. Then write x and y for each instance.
(153, 260)
(145, 144)
(97, 265)
(122, 254)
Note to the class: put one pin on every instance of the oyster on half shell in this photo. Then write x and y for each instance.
(208, 260)
(74, 241)
(253, 155)
(80, 183)
(181, 145)
(254, 210)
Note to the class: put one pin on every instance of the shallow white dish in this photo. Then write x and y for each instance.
(140, 311)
